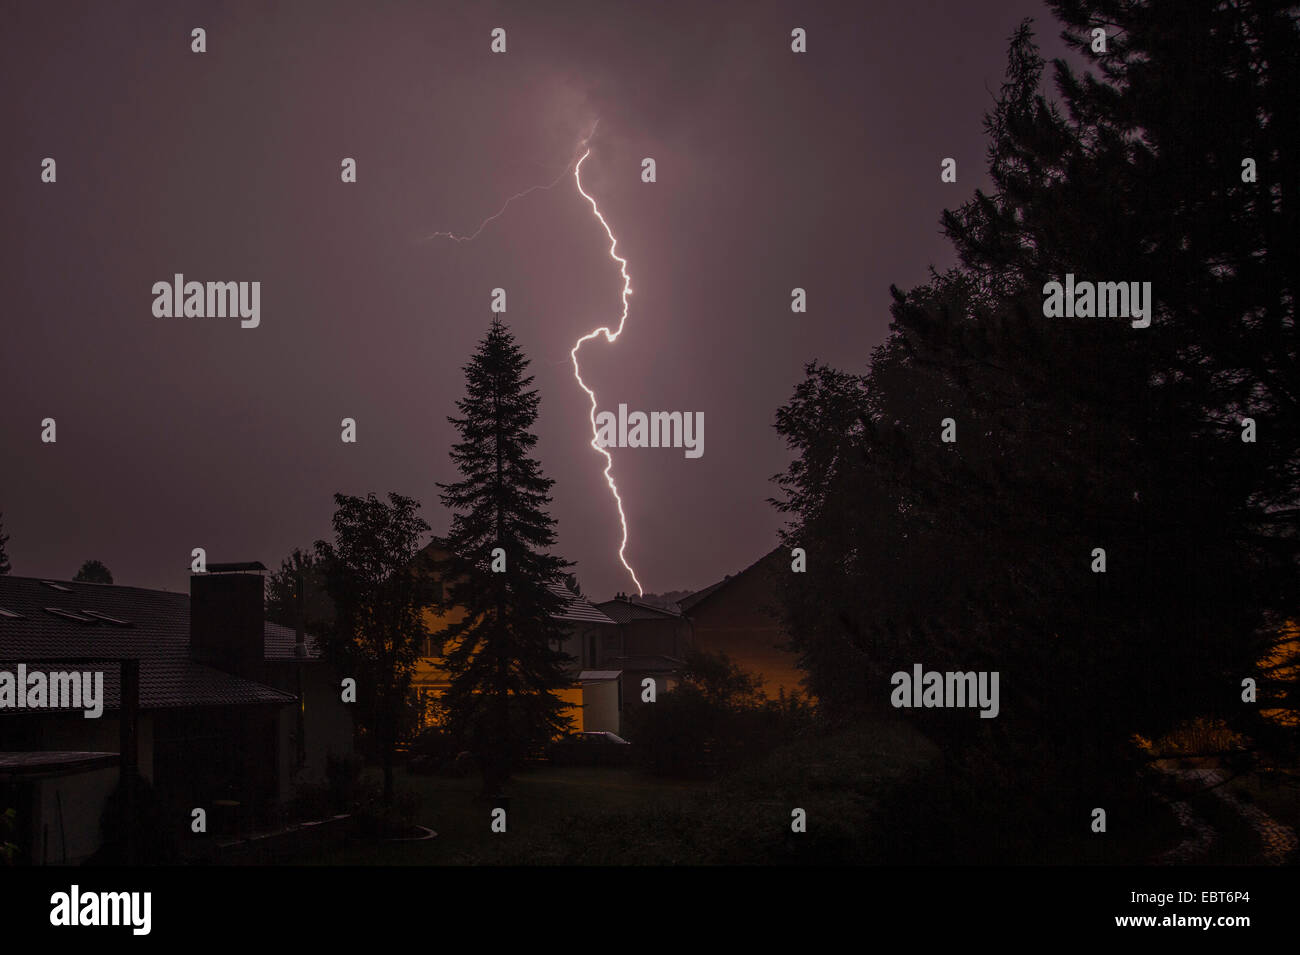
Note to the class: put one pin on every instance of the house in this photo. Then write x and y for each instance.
(222, 707)
(650, 643)
(594, 697)
(618, 644)
(738, 616)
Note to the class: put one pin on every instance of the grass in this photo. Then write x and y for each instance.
(873, 793)
(584, 815)
(1280, 798)
(540, 800)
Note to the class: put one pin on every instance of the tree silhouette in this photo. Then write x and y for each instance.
(503, 656)
(4, 539)
(1074, 434)
(282, 603)
(379, 603)
(94, 572)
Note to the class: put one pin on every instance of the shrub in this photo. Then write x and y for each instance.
(342, 777)
(715, 720)
(8, 825)
(435, 751)
(150, 825)
(313, 801)
(374, 819)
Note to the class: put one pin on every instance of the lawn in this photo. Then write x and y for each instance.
(872, 793)
(542, 799)
(583, 815)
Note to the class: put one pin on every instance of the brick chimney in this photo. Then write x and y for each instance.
(226, 618)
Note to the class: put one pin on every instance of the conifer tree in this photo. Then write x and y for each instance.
(1079, 433)
(504, 655)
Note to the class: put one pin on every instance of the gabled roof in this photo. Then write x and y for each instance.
(577, 609)
(624, 611)
(688, 604)
(153, 625)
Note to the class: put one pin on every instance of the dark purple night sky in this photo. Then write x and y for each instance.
(775, 170)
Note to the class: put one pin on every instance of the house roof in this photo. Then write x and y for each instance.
(624, 611)
(282, 642)
(53, 764)
(687, 604)
(576, 609)
(600, 674)
(152, 625)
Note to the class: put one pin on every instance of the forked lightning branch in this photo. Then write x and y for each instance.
(678, 428)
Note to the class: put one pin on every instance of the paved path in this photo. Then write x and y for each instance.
(1277, 841)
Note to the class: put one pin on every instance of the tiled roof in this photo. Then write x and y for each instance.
(281, 643)
(39, 764)
(687, 604)
(623, 611)
(577, 609)
(159, 635)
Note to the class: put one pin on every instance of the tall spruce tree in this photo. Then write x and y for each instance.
(1079, 433)
(504, 655)
(1164, 170)
(1192, 176)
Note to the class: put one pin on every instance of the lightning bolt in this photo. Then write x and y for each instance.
(610, 337)
(500, 212)
(518, 195)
